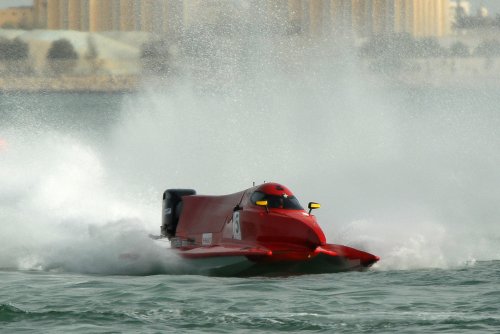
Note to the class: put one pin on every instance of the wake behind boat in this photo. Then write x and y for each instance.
(259, 231)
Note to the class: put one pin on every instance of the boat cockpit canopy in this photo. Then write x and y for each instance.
(277, 201)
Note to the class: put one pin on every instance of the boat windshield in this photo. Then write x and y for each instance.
(275, 201)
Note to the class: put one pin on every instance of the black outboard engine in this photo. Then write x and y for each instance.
(172, 208)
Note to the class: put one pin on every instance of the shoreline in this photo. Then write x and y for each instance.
(71, 84)
(132, 83)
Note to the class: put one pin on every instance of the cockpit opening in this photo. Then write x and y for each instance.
(277, 201)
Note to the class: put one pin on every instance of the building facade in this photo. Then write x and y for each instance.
(109, 15)
(362, 18)
(17, 17)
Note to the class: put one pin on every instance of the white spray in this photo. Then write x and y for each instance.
(409, 176)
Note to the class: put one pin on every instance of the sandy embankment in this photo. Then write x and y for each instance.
(108, 83)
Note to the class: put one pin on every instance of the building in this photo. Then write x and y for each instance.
(110, 15)
(362, 18)
(422, 18)
(17, 17)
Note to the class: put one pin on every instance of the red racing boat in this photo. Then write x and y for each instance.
(259, 231)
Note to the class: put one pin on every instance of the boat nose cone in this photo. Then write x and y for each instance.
(306, 226)
(310, 230)
(316, 235)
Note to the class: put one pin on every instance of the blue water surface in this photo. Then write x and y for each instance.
(460, 300)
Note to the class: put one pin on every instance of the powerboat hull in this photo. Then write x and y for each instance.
(258, 261)
(262, 230)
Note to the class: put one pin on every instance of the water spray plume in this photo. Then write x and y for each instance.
(3, 144)
(407, 174)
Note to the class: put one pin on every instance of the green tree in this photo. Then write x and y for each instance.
(155, 57)
(389, 46)
(428, 47)
(62, 57)
(459, 49)
(13, 49)
(389, 53)
(14, 55)
(62, 49)
(488, 48)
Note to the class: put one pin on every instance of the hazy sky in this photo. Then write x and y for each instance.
(492, 5)
(11, 3)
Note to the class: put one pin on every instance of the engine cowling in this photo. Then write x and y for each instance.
(172, 209)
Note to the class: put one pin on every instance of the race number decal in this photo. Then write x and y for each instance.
(236, 225)
(206, 239)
